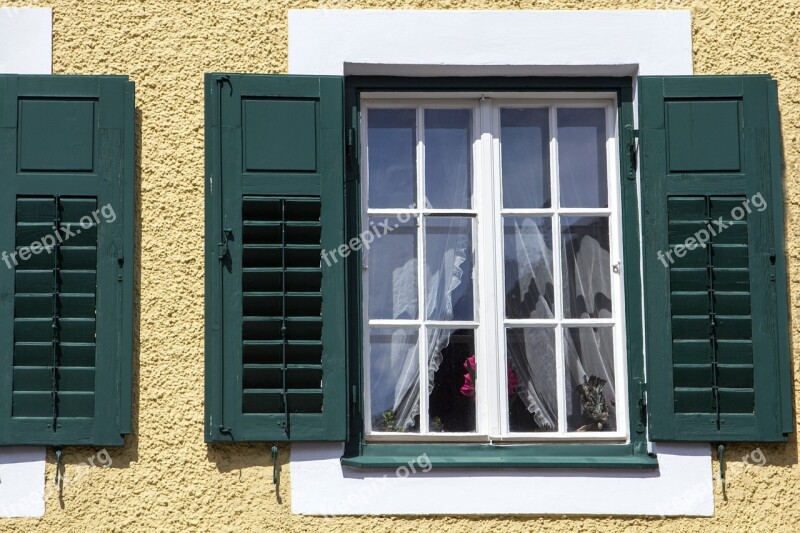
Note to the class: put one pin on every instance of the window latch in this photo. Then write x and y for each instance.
(641, 424)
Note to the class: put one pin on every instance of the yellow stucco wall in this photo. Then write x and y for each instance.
(167, 478)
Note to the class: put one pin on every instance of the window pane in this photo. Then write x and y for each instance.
(451, 380)
(586, 267)
(525, 138)
(531, 380)
(591, 400)
(392, 155)
(528, 250)
(392, 269)
(394, 379)
(448, 268)
(448, 158)
(582, 157)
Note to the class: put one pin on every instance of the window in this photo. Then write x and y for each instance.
(66, 245)
(494, 279)
(507, 221)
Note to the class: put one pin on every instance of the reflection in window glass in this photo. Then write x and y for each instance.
(392, 141)
(582, 157)
(525, 138)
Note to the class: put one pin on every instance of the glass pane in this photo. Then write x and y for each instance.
(586, 267)
(525, 138)
(591, 400)
(448, 158)
(531, 380)
(528, 251)
(394, 379)
(451, 380)
(582, 157)
(448, 268)
(392, 155)
(392, 268)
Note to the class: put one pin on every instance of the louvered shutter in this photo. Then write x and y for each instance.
(716, 310)
(275, 313)
(66, 275)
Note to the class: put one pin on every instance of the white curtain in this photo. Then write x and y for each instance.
(445, 274)
(586, 294)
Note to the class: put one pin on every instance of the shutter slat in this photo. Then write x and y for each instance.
(70, 379)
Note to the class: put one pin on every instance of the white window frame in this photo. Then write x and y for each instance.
(490, 322)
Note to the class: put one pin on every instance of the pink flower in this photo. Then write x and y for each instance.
(468, 388)
(513, 381)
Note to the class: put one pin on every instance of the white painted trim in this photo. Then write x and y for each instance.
(25, 48)
(502, 43)
(22, 482)
(512, 43)
(681, 486)
(26, 40)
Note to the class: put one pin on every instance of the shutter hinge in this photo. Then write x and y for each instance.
(773, 258)
(120, 264)
(350, 153)
(633, 150)
(223, 249)
(222, 80)
(641, 424)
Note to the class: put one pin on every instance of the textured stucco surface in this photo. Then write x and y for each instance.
(166, 478)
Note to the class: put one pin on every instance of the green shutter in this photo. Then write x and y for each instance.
(275, 315)
(716, 318)
(66, 172)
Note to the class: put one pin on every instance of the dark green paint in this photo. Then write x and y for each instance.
(70, 137)
(708, 144)
(274, 178)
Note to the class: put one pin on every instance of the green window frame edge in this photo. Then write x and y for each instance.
(129, 218)
(786, 378)
(108, 431)
(634, 454)
(213, 271)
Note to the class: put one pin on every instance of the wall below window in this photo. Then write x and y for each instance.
(25, 48)
(682, 485)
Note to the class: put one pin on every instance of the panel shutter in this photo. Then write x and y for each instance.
(275, 314)
(716, 318)
(66, 276)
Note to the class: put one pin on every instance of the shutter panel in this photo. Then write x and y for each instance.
(66, 275)
(716, 315)
(275, 316)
